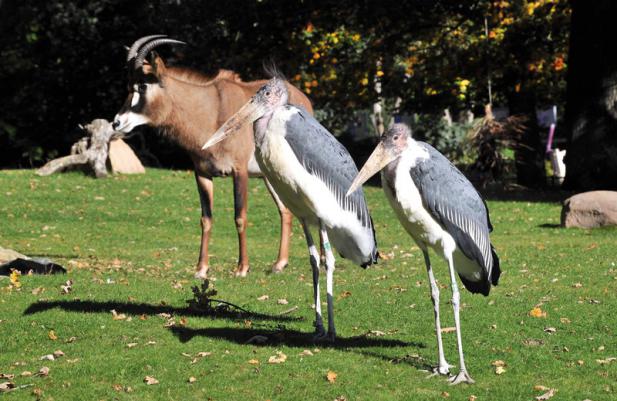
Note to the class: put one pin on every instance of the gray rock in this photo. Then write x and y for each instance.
(8, 255)
(590, 209)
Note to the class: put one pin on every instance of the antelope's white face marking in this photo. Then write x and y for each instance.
(129, 120)
(135, 99)
(132, 113)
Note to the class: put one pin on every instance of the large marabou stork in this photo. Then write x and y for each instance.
(441, 210)
(310, 171)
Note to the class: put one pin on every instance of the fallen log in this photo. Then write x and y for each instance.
(102, 144)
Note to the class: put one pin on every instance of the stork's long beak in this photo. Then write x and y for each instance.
(378, 160)
(248, 113)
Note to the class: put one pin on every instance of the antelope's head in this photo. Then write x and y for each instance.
(145, 103)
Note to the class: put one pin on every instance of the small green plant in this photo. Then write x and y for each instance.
(202, 300)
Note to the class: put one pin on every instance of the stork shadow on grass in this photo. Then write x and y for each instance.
(280, 335)
(138, 309)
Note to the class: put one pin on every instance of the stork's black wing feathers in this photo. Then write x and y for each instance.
(456, 204)
(325, 157)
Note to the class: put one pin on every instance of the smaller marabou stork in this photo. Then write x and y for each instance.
(440, 209)
(310, 171)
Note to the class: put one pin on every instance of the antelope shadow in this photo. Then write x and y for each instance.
(282, 336)
(132, 308)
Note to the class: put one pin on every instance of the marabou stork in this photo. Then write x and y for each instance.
(441, 210)
(310, 171)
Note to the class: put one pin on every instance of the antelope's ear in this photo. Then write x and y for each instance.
(157, 64)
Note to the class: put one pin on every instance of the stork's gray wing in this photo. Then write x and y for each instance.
(456, 204)
(326, 158)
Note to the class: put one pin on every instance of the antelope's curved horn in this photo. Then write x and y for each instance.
(143, 52)
(132, 51)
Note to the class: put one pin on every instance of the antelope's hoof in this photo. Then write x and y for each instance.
(241, 271)
(461, 377)
(202, 273)
(279, 266)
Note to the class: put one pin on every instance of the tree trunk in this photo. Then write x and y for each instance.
(529, 153)
(591, 99)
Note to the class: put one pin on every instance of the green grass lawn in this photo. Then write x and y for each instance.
(130, 244)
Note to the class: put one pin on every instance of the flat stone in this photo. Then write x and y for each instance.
(590, 209)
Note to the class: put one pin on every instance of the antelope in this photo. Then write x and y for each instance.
(188, 107)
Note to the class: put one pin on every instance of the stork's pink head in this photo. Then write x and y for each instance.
(396, 138)
(270, 96)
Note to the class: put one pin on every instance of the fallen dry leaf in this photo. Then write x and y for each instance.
(331, 376)
(52, 335)
(6, 387)
(375, 333)
(499, 370)
(131, 345)
(282, 301)
(345, 294)
(26, 373)
(549, 394)
(67, 287)
(540, 387)
(192, 379)
(606, 361)
(48, 357)
(203, 354)
(550, 330)
(537, 312)
(37, 290)
(149, 380)
(263, 298)
(445, 394)
(278, 358)
(44, 371)
(9, 376)
(58, 353)
(253, 362)
(117, 316)
(472, 398)
(498, 362)
(306, 353)
(448, 329)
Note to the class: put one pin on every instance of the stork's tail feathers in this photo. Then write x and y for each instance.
(374, 253)
(496, 272)
(484, 286)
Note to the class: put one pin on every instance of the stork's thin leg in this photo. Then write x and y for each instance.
(241, 179)
(444, 366)
(329, 281)
(205, 188)
(462, 376)
(286, 220)
(314, 259)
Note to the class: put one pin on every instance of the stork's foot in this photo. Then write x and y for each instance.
(279, 266)
(461, 377)
(241, 271)
(324, 338)
(202, 273)
(441, 370)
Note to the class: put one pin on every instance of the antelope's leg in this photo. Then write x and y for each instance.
(205, 188)
(314, 259)
(286, 220)
(443, 368)
(329, 280)
(241, 180)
